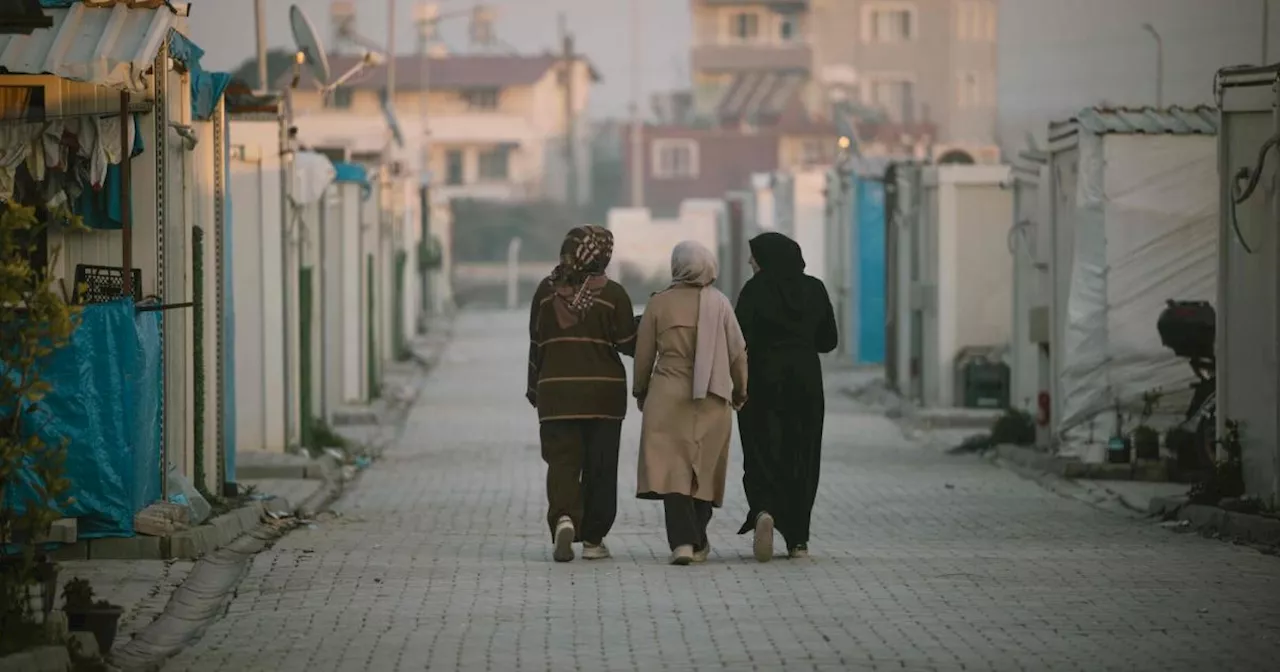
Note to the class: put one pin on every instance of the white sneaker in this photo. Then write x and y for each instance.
(702, 555)
(595, 551)
(564, 540)
(682, 556)
(763, 544)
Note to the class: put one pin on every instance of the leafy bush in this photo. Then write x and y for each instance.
(35, 321)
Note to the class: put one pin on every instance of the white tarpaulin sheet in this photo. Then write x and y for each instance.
(312, 174)
(1146, 230)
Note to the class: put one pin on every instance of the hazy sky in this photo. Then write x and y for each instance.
(1055, 55)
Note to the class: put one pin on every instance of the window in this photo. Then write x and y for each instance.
(481, 99)
(340, 99)
(453, 167)
(889, 23)
(788, 27)
(22, 103)
(745, 26)
(675, 158)
(495, 164)
(895, 97)
(976, 21)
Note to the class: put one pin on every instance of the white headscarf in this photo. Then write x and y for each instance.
(693, 265)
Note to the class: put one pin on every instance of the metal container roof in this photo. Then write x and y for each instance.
(109, 46)
(1200, 120)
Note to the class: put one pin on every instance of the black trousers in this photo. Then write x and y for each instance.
(582, 474)
(687, 520)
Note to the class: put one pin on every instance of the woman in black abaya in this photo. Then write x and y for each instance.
(787, 320)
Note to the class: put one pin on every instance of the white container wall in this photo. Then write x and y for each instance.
(209, 181)
(902, 241)
(441, 279)
(1248, 290)
(808, 220)
(964, 287)
(259, 281)
(1135, 214)
(179, 324)
(344, 272)
(373, 350)
(645, 244)
(1029, 247)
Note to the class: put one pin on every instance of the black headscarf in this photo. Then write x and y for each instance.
(781, 269)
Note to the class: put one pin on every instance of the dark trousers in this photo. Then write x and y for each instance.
(687, 520)
(582, 474)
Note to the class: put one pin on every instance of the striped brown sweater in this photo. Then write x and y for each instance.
(577, 373)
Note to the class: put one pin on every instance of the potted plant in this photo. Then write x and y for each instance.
(84, 615)
(1146, 440)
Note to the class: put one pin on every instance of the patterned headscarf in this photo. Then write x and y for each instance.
(579, 278)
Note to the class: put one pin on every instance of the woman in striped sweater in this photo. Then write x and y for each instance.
(580, 324)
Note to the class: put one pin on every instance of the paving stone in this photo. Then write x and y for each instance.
(439, 560)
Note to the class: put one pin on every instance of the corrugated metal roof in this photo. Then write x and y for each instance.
(758, 94)
(112, 46)
(1201, 120)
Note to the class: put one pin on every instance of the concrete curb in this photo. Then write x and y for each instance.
(1211, 520)
(1154, 472)
(1099, 498)
(186, 545)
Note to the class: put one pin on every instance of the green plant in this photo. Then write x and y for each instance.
(1016, 427)
(1226, 481)
(323, 436)
(77, 595)
(35, 321)
(430, 254)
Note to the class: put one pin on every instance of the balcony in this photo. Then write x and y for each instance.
(752, 57)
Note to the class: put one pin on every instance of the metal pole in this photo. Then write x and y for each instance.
(126, 206)
(391, 54)
(260, 23)
(424, 82)
(570, 150)
(637, 141)
(1159, 63)
(513, 274)
(1266, 30)
(286, 157)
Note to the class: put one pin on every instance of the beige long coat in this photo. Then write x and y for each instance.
(684, 443)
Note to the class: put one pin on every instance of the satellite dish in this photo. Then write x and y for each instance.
(309, 45)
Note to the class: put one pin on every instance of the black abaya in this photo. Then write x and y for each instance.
(787, 319)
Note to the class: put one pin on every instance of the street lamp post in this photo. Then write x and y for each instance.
(1159, 63)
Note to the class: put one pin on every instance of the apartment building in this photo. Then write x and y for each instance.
(497, 127)
(915, 61)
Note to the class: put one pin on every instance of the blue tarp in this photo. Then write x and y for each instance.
(105, 403)
(353, 173)
(206, 87)
(869, 299)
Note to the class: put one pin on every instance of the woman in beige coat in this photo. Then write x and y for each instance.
(691, 372)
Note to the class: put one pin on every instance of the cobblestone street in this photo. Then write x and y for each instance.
(439, 559)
